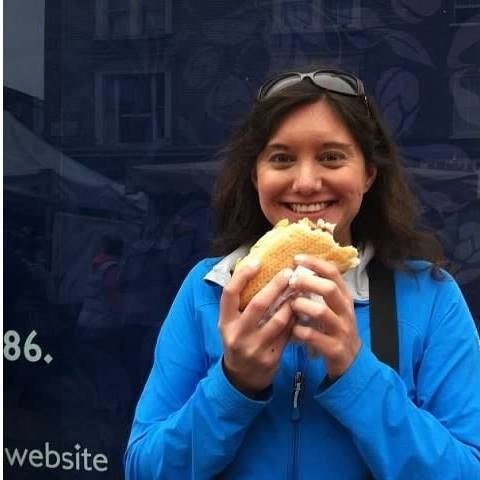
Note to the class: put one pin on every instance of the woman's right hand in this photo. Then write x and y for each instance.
(252, 353)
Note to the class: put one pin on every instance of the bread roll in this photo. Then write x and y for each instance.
(276, 249)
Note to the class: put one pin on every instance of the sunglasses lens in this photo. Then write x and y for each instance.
(336, 83)
(278, 84)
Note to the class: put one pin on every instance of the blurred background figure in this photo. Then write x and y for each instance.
(144, 301)
(101, 310)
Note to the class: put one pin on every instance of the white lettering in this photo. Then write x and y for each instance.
(14, 457)
(67, 462)
(100, 458)
(33, 456)
(49, 454)
(77, 457)
(80, 458)
(85, 455)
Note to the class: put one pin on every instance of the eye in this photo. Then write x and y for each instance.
(332, 156)
(280, 159)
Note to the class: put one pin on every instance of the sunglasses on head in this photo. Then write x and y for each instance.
(335, 81)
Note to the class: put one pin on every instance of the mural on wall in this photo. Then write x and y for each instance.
(107, 182)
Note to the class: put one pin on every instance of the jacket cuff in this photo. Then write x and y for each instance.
(336, 397)
(231, 398)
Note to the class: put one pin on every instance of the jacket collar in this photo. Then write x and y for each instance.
(221, 273)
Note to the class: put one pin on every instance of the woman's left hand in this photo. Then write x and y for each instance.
(333, 329)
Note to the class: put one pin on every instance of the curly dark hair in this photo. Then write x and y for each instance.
(389, 217)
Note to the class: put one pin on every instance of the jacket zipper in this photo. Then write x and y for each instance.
(297, 388)
(295, 417)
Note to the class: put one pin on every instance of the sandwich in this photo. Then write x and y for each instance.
(276, 250)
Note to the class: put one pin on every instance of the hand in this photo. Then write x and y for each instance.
(333, 331)
(251, 353)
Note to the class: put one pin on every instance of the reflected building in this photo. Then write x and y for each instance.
(135, 82)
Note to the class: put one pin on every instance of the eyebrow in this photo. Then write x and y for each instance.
(276, 146)
(341, 145)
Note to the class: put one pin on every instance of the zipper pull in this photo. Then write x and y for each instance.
(297, 388)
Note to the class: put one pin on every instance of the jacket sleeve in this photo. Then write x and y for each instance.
(189, 421)
(437, 433)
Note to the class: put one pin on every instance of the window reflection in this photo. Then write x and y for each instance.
(133, 108)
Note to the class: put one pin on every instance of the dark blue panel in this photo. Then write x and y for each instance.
(139, 96)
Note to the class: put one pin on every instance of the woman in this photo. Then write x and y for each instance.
(226, 398)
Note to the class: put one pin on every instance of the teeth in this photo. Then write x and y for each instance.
(307, 208)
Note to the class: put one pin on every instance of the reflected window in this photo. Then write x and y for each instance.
(311, 16)
(464, 10)
(132, 18)
(466, 105)
(153, 17)
(134, 108)
(117, 15)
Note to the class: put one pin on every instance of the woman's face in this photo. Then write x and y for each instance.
(312, 167)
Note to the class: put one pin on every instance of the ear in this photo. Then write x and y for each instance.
(371, 175)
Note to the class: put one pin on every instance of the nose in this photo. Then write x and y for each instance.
(307, 179)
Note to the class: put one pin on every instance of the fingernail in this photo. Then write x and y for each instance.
(299, 258)
(287, 272)
(254, 262)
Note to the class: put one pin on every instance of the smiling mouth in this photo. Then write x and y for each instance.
(308, 207)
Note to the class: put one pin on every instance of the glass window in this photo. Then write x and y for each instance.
(312, 16)
(132, 18)
(153, 17)
(464, 10)
(118, 18)
(134, 108)
(160, 107)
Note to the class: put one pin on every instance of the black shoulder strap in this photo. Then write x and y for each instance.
(383, 313)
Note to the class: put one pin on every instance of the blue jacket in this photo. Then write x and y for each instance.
(423, 423)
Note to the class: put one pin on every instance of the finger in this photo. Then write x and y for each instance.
(275, 348)
(316, 314)
(338, 355)
(319, 341)
(333, 296)
(322, 344)
(323, 318)
(230, 300)
(269, 294)
(323, 269)
(277, 329)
